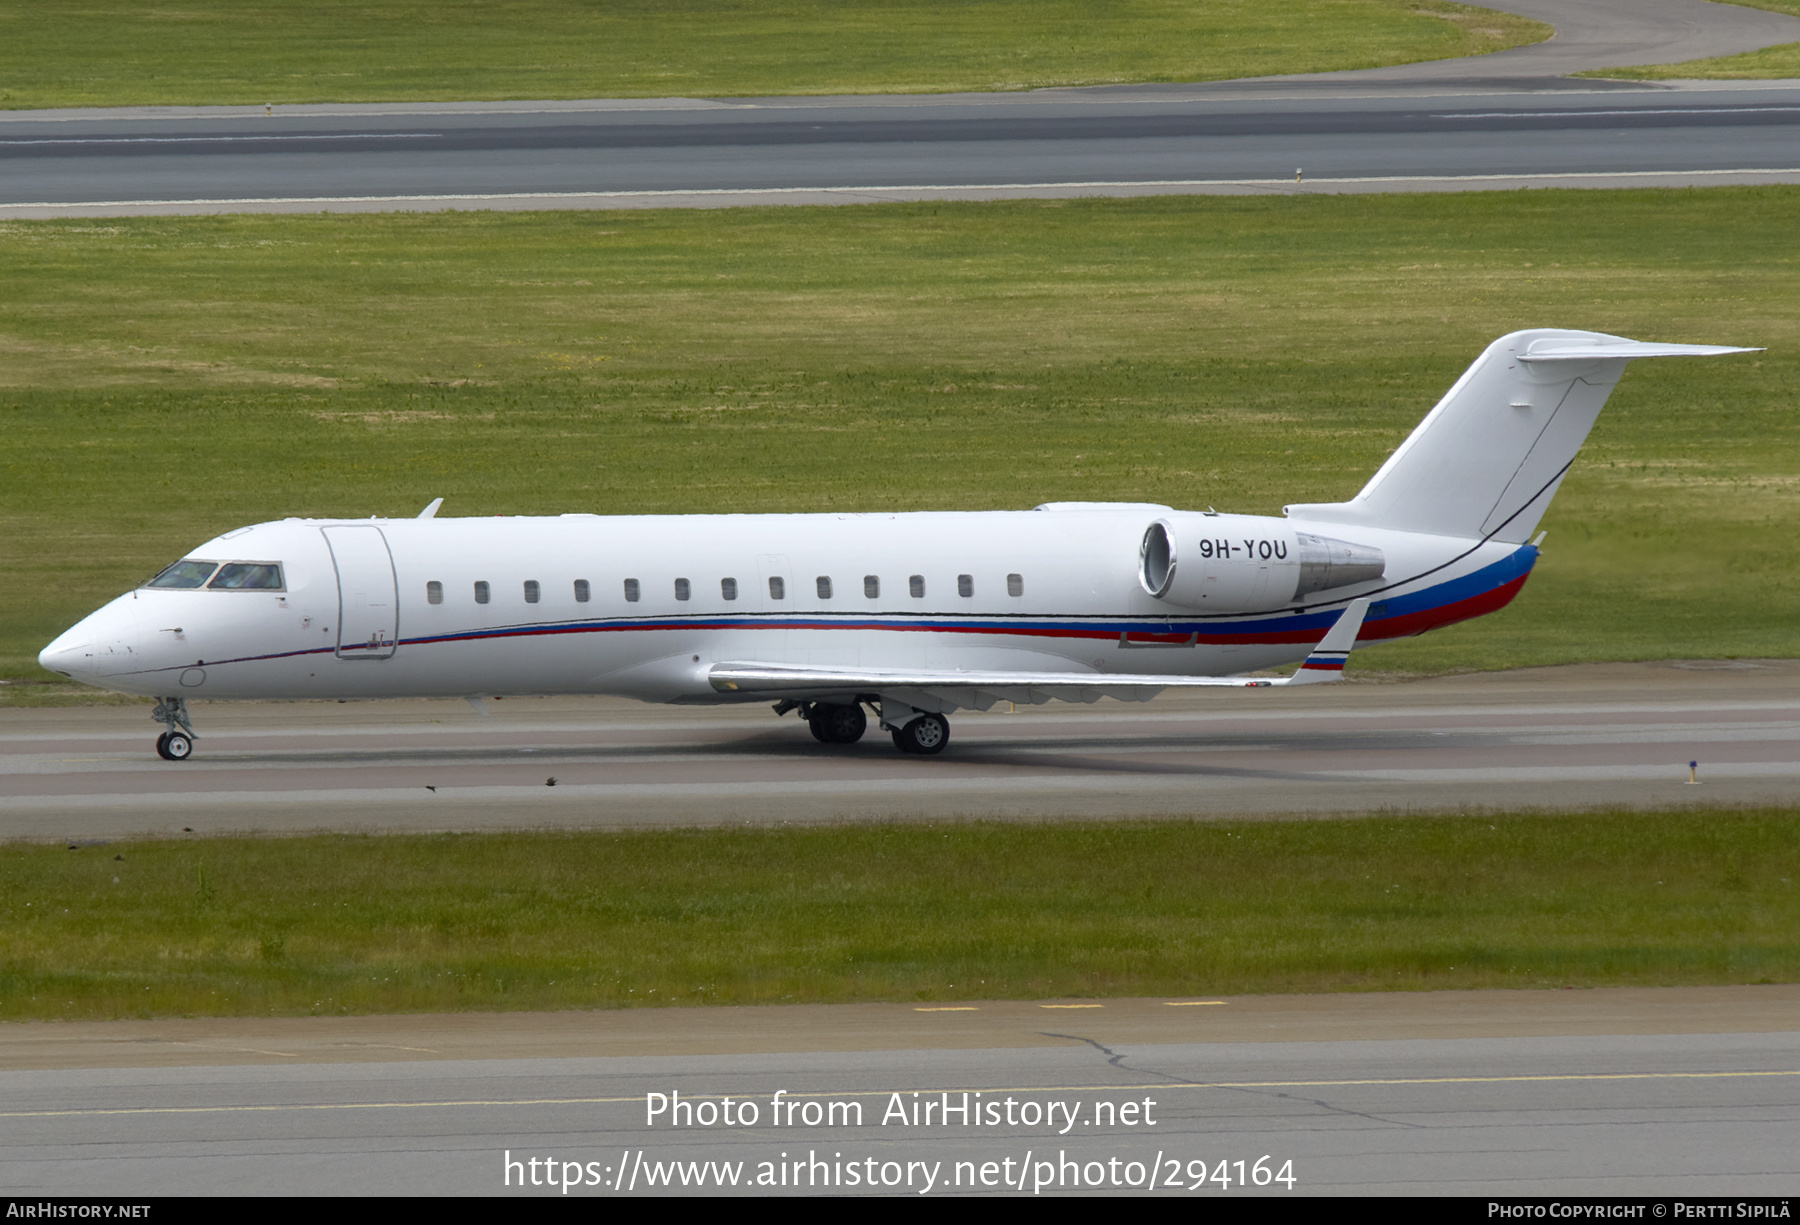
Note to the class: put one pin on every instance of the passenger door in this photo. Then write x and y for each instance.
(368, 597)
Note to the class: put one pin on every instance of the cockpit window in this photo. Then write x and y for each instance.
(187, 573)
(248, 576)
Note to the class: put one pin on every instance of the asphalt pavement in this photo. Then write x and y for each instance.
(1512, 119)
(1595, 735)
(1675, 1092)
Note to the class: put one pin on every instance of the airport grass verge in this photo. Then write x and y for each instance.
(61, 53)
(346, 924)
(168, 379)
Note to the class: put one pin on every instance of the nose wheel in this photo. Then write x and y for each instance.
(176, 744)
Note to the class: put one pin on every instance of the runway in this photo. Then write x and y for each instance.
(1505, 120)
(1586, 736)
(1678, 1092)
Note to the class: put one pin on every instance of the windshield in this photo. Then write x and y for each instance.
(248, 576)
(186, 573)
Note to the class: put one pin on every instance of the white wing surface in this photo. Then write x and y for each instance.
(950, 690)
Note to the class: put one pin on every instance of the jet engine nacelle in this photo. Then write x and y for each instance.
(1245, 563)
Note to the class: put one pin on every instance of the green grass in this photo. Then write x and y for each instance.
(1779, 62)
(167, 379)
(108, 53)
(902, 912)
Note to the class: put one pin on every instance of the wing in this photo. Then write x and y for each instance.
(946, 690)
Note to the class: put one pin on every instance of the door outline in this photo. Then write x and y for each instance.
(375, 635)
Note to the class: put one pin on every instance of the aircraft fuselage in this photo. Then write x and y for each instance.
(497, 606)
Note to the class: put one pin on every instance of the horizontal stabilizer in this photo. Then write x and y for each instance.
(947, 690)
(1575, 351)
(1484, 464)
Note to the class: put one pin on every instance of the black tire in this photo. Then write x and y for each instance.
(821, 730)
(162, 746)
(925, 735)
(174, 746)
(839, 724)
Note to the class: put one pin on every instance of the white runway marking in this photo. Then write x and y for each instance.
(220, 140)
(1672, 110)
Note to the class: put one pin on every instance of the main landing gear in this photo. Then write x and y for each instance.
(837, 724)
(831, 722)
(925, 735)
(176, 744)
(914, 731)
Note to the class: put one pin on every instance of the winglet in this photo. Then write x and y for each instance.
(1326, 663)
(430, 512)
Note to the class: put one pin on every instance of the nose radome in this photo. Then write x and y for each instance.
(97, 645)
(64, 656)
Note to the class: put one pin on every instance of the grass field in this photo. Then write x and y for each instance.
(541, 921)
(168, 379)
(108, 53)
(1770, 63)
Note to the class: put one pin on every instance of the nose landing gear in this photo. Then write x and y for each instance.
(176, 744)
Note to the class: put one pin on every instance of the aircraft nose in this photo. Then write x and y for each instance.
(100, 644)
(71, 655)
(63, 655)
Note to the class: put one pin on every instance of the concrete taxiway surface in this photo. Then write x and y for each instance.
(1505, 120)
(1690, 1091)
(1584, 736)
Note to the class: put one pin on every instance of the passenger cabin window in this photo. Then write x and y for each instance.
(965, 585)
(481, 593)
(916, 585)
(532, 591)
(434, 592)
(728, 588)
(183, 574)
(682, 590)
(582, 591)
(777, 589)
(823, 582)
(872, 586)
(631, 591)
(1015, 584)
(248, 576)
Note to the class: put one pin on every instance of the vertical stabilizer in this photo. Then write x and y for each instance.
(1486, 461)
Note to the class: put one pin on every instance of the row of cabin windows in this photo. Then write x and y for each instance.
(728, 589)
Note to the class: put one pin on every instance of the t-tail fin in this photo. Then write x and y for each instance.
(1486, 461)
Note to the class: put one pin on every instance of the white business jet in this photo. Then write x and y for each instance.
(913, 616)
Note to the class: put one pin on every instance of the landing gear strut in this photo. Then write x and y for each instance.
(176, 744)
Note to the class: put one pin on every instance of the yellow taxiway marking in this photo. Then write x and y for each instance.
(1071, 1005)
(1574, 1077)
(950, 1008)
(1191, 1003)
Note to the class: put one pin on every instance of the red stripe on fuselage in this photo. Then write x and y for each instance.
(1445, 614)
